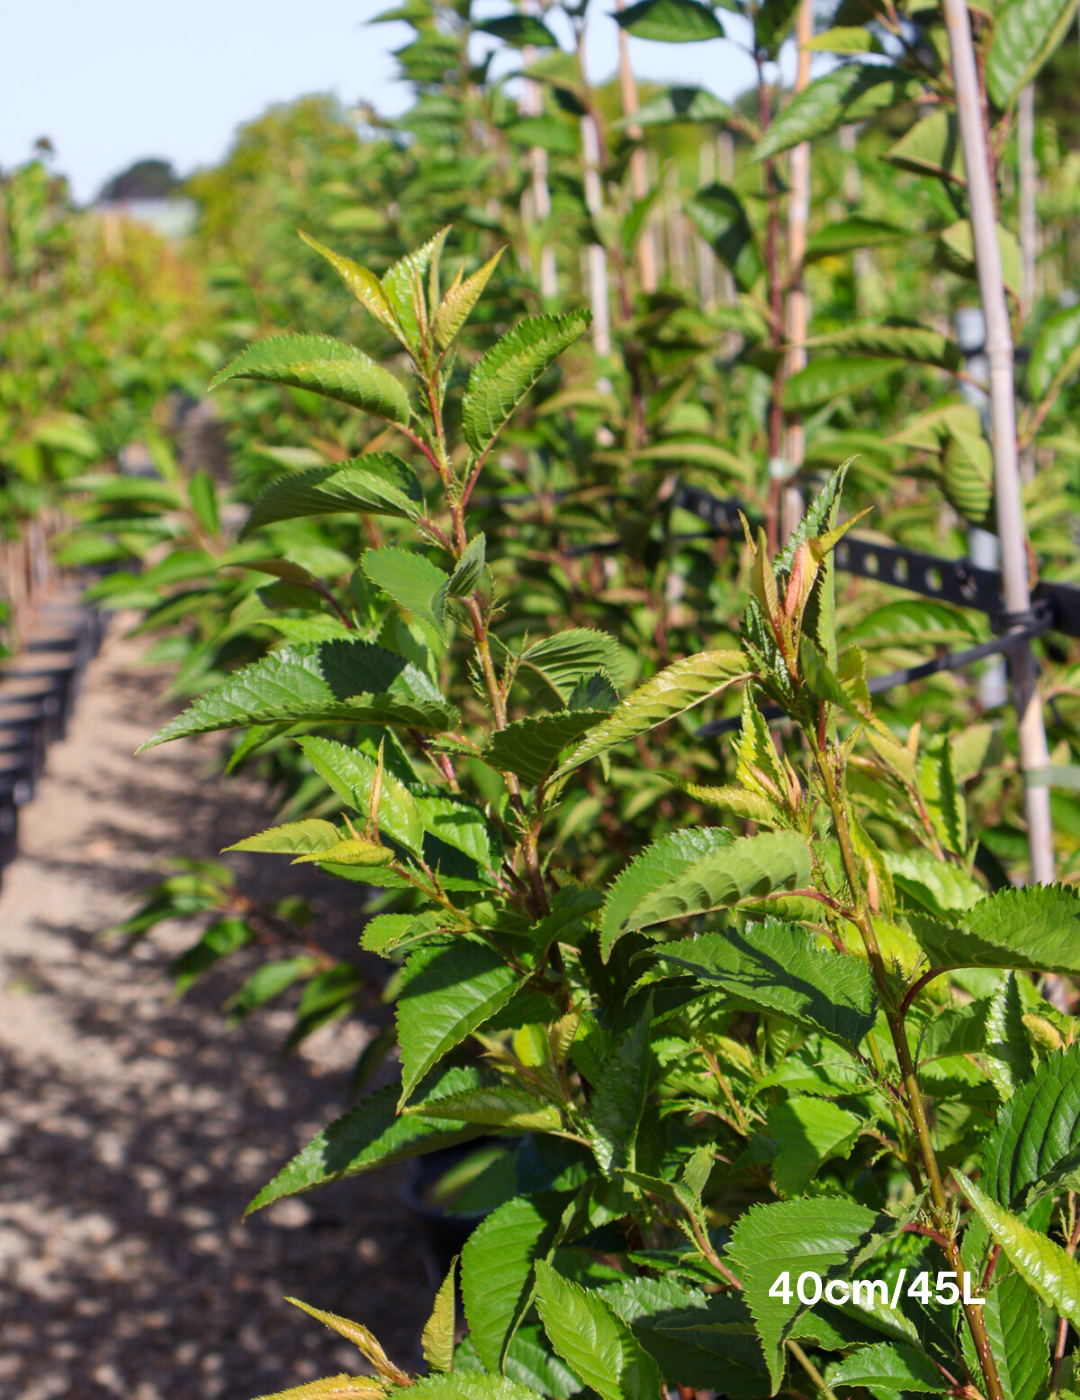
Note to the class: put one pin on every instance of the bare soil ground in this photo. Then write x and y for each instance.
(134, 1128)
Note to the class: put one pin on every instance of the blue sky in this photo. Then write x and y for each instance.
(111, 81)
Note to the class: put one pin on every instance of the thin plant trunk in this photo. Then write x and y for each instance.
(798, 306)
(597, 255)
(639, 166)
(1034, 756)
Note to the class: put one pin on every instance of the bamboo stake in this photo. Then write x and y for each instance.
(798, 306)
(639, 169)
(532, 105)
(1034, 755)
(1025, 140)
(597, 254)
(706, 258)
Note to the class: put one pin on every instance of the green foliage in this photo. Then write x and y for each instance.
(1035, 1145)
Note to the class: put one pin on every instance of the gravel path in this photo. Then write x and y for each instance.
(134, 1128)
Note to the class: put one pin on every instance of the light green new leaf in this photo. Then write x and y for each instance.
(776, 967)
(847, 94)
(333, 681)
(807, 1132)
(749, 868)
(530, 747)
(379, 483)
(823, 1234)
(368, 1136)
(670, 21)
(403, 284)
(446, 993)
(1034, 1147)
(826, 379)
(412, 581)
(294, 838)
(722, 221)
(665, 860)
(469, 1385)
(352, 850)
(469, 570)
(593, 1340)
(967, 475)
(362, 282)
(351, 774)
(845, 39)
(1042, 1264)
(1032, 929)
(618, 1098)
(888, 1367)
(1026, 33)
(340, 1387)
(677, 688)
(1054, 351)
(508, 371)
(325, 366)
(497, 1269)
(437, 1338)
(462, 296)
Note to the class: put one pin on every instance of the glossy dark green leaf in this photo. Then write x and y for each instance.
(378, 484)
(722, 221)
(1034, 1147)
(670, 21)
(850, 93)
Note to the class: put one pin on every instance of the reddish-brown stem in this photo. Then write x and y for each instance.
(916, 988)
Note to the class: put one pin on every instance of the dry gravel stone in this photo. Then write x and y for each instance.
(134, 1127)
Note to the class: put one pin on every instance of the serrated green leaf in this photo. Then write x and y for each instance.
(531, 1361)
(618, 1098)
(403, 284)
(823, 1234)
(776, 967)
(469, 1385)
(917, 344)
(508, 371)
(531, 747)
(750, 868)
(1034, 1147)
(665, 860)
(888, 1367)
(1032, 929)
(836, 239)
(267, 982)
(847, 94)
(1018, 1341)
(412, 581)
(1026, 33)
(670, 21)
(825, 379)
(932, 147)
(379, 483)
(504, 1105)
(554, 666)
(437, 1338)
(523, 31)
(368, 1136)
(294, 838)
(447, 992)
(469, 570)
(955, 251)
(967, 475)
(352, 774)
(330, 681)
(497, 1269)
(807, 1131)
(679, 687)
(1043, 1265)
(457, 304)
(679, 104)
(1054, 351)
(722, 221)
(593, 1340)
(361, 281)
(325, 366)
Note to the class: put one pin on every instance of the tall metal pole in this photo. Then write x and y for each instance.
(1034, 755)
